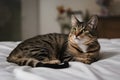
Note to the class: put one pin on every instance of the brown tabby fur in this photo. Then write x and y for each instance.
(45, 50)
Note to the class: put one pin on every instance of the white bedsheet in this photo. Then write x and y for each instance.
(108, 68)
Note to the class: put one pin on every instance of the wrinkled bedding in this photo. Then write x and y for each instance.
(107, 68)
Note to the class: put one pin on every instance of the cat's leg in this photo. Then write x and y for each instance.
(25, 61)
(87, 58)
(67, 57)
(83, 60)
(52, 62)
(33, 62)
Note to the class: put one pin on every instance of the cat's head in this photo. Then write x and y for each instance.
(83, 31)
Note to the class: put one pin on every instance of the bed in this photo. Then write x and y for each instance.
(107, 68)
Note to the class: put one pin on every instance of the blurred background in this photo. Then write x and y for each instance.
(22, 19)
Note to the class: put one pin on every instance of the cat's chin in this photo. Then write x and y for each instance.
(80, 42)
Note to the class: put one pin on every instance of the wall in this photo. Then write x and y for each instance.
(39, 16)
(48, 12)
(29, 18)
(10, 20)
(115, 7)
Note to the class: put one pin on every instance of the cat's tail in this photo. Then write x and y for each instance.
(36, 63)
(55, 66)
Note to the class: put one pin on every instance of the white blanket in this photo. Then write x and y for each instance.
(108, 68)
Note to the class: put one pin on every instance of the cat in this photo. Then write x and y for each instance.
(55, 50)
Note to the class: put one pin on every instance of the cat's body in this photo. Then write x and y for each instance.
(56, 50)
(48, 49)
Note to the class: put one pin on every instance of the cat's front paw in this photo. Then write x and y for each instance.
(87, 61)
(84, 60)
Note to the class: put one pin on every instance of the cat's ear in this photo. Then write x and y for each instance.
(92, 23)
(74, 21)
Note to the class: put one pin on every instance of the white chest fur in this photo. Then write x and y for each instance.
(80, 42)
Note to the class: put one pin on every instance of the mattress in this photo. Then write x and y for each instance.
(107, 68)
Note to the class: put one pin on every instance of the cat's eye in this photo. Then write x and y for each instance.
(83, 30)
(74, 29)
(87, 31)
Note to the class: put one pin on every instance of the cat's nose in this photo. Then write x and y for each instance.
(78, 33)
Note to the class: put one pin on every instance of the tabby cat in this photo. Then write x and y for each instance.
(56, 50)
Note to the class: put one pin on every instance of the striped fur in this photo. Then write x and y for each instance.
(56, 50)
